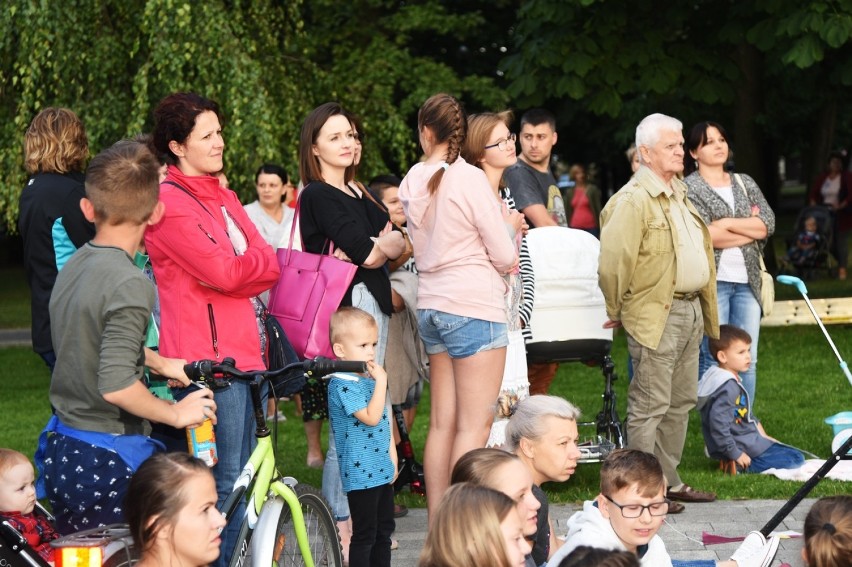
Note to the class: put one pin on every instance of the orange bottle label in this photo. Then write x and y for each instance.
(202, 442)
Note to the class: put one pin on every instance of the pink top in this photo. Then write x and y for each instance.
(461, 242)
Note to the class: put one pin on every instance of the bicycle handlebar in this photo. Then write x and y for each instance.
(217, 375)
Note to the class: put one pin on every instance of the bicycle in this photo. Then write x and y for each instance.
(286, 522)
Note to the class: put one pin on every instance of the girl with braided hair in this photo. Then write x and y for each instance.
(463, 244)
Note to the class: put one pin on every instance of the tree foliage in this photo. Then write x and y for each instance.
(766, 67)
(266, 63)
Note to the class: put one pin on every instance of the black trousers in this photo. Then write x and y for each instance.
(372, 525)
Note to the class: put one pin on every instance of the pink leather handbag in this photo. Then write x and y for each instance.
(309, 290)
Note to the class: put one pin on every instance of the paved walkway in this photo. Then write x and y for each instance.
(681, 533)
(15, 337)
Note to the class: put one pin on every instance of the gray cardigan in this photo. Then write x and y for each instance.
(712, 207)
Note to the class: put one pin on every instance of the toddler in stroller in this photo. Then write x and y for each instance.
(568, 316)
(808, 250)
(26, 529)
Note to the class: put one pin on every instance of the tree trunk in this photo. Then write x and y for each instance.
(749, 154)
(822, 137)
(755, 153)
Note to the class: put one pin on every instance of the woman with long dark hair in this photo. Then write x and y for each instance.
(334, 212)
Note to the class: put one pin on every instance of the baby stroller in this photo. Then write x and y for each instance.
(821, 259)
(14, 549)
(568, 316)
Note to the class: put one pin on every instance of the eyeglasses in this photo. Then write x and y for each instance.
(504, 143)
(631, 511)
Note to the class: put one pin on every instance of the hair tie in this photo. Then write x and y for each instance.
(829, 527)
(445, 165)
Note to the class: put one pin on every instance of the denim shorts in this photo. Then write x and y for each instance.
(459, 336)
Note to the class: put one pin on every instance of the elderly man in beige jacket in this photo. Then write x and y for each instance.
(658, 277)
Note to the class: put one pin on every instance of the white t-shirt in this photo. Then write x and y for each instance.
(831, 191)
(731, 263)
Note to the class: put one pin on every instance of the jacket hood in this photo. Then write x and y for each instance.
(414, 189)
(713, 378)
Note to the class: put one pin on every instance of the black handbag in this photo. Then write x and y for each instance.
(280, 353)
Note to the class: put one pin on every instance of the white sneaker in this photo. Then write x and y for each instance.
(763, 557)
(752, 543)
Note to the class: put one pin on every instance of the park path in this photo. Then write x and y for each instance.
(681, 533)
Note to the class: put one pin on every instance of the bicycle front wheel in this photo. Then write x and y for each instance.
(323, 539)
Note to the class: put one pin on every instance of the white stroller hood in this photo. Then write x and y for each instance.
(569, 304)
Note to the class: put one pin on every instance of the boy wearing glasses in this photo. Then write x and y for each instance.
(629, 511)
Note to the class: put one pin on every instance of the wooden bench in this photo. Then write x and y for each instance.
(837, 310)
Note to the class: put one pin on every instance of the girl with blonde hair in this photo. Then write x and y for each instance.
(828, 533)
(474, 525)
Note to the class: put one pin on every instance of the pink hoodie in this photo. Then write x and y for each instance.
(461, 242)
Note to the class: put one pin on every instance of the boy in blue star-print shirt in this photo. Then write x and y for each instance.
(362, 432)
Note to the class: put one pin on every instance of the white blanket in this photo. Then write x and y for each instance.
(842, 470)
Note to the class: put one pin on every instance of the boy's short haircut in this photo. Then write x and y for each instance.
(380, 183)
(538, 116)
(727, 335)
(625, 467)
(123, 183)
(9, 458)
(343, 319)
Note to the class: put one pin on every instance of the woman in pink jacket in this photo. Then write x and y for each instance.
(462, 243)
(210, 263)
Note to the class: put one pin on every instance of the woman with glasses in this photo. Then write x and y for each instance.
(490, 146)
(462, 247)
(631, 508)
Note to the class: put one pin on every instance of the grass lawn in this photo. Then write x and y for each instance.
(14, 298)
(799, 385)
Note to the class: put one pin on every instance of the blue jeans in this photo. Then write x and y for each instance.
(693, 563)
(234, 441)
(737, 307)
(332, 486)
(49, 358)
(778, 456)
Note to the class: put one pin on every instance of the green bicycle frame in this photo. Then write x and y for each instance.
(262, 460)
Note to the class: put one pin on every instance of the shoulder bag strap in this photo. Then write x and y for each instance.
(739, 181)
(293, 229)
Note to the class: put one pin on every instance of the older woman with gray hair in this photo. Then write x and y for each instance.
(543, 434)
